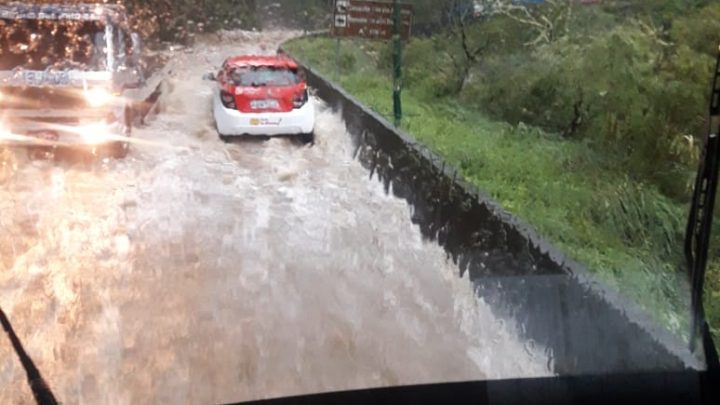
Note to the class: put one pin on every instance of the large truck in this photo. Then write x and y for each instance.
(68, 74)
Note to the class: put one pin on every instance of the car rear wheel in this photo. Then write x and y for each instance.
(222, 136)
(308, 138)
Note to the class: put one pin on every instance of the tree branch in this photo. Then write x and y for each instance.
(543, 19)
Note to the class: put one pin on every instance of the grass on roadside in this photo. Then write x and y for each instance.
(625, 232)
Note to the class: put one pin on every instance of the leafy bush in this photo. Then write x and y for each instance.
(420, 60)
(621, 90)
(699, 31)
(433, 67)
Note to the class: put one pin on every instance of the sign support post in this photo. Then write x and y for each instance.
(376, 20)
(397, 64)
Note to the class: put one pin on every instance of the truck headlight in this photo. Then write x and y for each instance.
(98, 97)
(4, 133)
(95, 133)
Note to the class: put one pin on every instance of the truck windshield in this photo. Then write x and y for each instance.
(43, 44)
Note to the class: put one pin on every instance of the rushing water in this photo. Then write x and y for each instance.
(196, 271)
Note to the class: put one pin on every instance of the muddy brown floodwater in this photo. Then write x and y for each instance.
(197, 272)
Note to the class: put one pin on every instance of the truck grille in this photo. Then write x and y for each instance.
(40, 98)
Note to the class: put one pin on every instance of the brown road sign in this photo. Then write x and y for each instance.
(369, 19)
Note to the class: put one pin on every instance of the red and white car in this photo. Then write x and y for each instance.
(262, 95)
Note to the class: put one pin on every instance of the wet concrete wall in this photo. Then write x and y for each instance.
(586, 327)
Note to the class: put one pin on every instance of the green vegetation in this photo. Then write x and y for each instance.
(588, 129)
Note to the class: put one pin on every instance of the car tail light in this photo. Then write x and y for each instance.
(300, 99)
(228, 100)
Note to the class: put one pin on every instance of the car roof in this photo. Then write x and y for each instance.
(280, 61)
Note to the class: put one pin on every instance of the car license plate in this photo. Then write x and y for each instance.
(266, 122)
(264, 104)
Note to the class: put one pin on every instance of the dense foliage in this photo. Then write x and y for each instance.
(631, 84)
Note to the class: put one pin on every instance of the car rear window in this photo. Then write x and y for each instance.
(264, 76)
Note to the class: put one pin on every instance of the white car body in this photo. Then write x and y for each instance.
(231, 122)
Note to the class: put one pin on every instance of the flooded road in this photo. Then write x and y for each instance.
(200, 272)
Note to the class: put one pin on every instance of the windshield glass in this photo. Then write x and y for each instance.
(435, 191)
(42, 44)
(264, 76)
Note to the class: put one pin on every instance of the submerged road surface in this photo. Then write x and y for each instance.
(201, 272)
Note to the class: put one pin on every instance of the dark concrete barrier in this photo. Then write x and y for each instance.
(586, 327)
